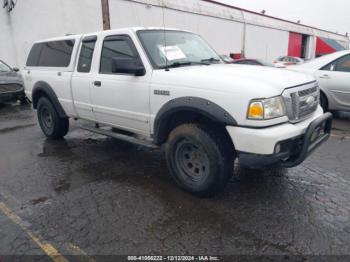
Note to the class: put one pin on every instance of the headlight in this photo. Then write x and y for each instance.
(263, 109)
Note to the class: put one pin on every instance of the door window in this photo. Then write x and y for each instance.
(116, 47)
(343, 64)
(328, 67)
(86, 54)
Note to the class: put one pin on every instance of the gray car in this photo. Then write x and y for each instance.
(11, 84)
(333, 76)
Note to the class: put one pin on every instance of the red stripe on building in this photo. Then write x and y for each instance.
(323, 48)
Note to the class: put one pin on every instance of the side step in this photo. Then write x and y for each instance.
(130, 139)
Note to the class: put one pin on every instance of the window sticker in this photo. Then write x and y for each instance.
(172, 52)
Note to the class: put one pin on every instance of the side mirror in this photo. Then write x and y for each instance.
(127, 66)
(15, 69)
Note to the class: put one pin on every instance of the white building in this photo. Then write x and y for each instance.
(228, 29)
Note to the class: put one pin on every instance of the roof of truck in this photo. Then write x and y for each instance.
(119, 30)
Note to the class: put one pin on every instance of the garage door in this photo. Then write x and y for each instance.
(295, 44)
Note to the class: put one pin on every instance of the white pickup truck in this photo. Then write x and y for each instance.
(156, 86)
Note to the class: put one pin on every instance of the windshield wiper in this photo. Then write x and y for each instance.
(211, 60)
(187, 63)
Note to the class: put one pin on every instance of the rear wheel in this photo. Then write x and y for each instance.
(52, 125)
(199, 160)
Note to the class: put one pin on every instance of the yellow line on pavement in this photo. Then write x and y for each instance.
(77, 251)
(47, 248)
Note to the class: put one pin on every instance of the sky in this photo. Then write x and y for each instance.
(332, 15)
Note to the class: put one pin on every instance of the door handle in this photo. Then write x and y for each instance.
(28, 72)
(325, 76)
(59, 73)
(97, 83)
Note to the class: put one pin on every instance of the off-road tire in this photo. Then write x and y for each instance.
(52, 125)
(200, 159)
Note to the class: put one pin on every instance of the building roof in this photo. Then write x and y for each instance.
(272, 17)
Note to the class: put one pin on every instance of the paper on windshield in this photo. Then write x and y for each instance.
(172, 52)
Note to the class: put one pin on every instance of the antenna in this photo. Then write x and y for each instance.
(164, 35)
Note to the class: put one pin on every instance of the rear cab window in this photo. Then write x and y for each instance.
(86, 54)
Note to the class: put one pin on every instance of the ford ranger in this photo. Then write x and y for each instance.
(165, 87)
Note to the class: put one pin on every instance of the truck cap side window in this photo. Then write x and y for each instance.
(51, 54)
(34, 55)
(86, 53)
(117, 47)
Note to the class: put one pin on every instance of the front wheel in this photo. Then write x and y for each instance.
(52, 125)
(199, 160)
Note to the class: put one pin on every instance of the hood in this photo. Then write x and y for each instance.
(10, 78)
(263, 81)
(302, 69)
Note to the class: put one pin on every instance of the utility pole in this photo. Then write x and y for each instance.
(244, 36)
(105, 15)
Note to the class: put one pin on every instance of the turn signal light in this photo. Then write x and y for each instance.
(256, 110)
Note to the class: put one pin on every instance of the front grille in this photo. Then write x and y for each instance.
(301, 101)
(307, 91)
(9, 88)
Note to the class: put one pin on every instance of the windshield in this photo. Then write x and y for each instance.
(4, 67)
(176, 48)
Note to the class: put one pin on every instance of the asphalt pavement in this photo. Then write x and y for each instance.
(92, 196)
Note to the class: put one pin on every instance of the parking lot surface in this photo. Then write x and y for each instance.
(88, 194)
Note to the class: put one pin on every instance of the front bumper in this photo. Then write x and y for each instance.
(291, 151)
(10, 94)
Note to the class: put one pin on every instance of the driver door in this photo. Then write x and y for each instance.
(120, 99)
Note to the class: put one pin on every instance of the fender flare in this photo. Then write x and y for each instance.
(42, 87)
(194, 104)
